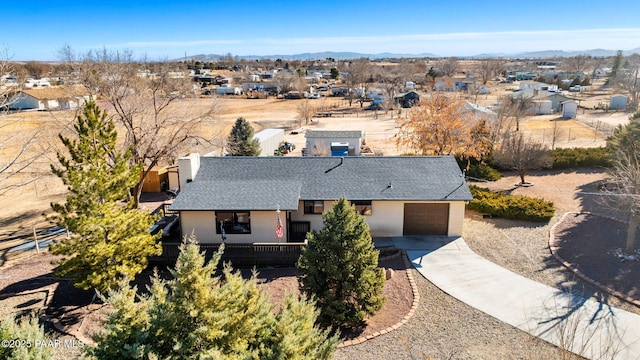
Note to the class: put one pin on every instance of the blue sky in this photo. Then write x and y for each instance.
(36, 30)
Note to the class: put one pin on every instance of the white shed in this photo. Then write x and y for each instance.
(269, 140)
(618, 102)
(569, 109)
(542, 107)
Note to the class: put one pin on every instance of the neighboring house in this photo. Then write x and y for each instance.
(454, 84)
(49, 98)
(328, 142)
(407, 99)
(261, 86)
(536, 85)
(618, 102)
(538, 97)
(398, 196)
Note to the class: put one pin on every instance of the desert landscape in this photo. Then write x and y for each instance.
(520, 247)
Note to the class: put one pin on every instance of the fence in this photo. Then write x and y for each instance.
(240, 255)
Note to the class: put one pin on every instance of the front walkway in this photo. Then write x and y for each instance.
(585, 327)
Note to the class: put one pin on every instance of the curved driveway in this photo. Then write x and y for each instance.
(585, 327)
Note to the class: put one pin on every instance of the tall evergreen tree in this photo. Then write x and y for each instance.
(340, 269)
(110, 237)
(199, 315)
(241, 141)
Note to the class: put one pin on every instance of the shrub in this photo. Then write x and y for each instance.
(26, 331)
(199, 314)
(580, 157)
(517, 207)
(484, 172)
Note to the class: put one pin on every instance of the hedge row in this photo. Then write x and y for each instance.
(580, 157)
(515, 207)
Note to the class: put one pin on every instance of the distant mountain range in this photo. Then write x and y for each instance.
(387, 55)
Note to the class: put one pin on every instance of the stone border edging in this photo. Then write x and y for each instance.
(414, 307)
(553, 247)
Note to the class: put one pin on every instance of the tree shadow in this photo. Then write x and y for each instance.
(584, 241)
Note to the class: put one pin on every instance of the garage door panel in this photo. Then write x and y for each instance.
(426, 219)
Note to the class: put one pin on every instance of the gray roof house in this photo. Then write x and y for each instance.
(244, 198)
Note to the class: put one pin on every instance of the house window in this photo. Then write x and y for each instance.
(313, 206)
(234, 222)
(363, 207)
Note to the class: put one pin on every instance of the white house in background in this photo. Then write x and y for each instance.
(618, 102)
(398, 196)
(270, 140)
(49, 98)
(569, 109)
(536, 85)
(329, 142)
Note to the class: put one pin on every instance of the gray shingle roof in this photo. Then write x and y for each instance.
(333, 134)
(263, 183)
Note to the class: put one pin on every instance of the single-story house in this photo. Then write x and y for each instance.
(239, 197)
(329, 142)
(48, 98)
(554, 97)
(407, 99)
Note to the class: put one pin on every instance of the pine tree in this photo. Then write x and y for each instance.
(340, 269)
(110, 237)
(241, 141)
(199, 315)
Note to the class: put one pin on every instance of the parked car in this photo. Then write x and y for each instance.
(312, 96)
(374, 107)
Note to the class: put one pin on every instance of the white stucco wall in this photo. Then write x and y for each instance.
(263, 227)
(386, 219)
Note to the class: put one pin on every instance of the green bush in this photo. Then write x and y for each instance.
(515, 207)
(484, 172)
(22, 334)
(580, 157)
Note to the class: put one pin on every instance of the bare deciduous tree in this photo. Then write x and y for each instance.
(305, 111)
(522, 155)
(448, 66)
(576, 63)
(144, 97)
(516, 106)
(625, 173)
(489, 68)
(20, 150)
(356, 74)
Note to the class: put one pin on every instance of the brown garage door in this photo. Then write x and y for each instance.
(426, 219)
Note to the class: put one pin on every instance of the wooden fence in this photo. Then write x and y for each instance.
(240, 255)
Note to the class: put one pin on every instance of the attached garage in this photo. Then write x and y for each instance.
(426, 219)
